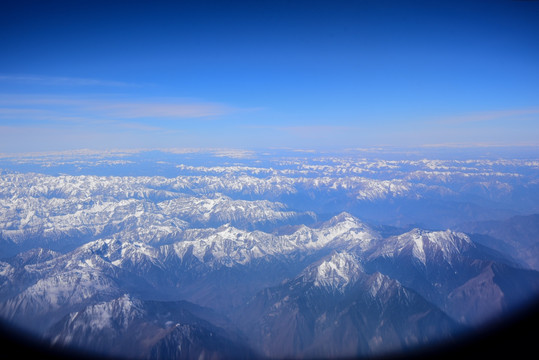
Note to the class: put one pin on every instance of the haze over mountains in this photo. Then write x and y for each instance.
(234, 254)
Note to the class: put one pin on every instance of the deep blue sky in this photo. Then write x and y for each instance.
(300, 74)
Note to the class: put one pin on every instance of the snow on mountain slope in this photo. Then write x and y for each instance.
(127, 327)
(40, 209)
(43, 210)
(454, 273)
(131, 255)
(334, 272)
(348, 231)
(228, 245)
(52, 297)
(7, 272)
(49, 206)
(335, 309)
(54, 286)
(34, 256)
(55, 219)
(105, 267)
(197, 237)
(116, 314)
(425, 246)
(219, 233)
(341, 270)
(220, 209)
(432, 263)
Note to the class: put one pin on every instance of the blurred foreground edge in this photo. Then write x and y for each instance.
(515, 337)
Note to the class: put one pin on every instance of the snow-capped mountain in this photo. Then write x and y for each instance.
(142, 267)
(64, 213)
(330, 261)
(425, 246)
(127, 327)
(441, 264)
(245, 257)
(333, 308)
(335, 272)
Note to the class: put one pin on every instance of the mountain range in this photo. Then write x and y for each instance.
(241, 265)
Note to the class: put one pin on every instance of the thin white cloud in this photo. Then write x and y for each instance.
(480, 145)
(63, 81)
(490, 116)
(17, 112)
(52, 122)
(137, 126)
(315, 131)
(34, 138)
(57, 107)
(131, 110)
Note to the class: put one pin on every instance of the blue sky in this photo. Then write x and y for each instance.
(299, 74)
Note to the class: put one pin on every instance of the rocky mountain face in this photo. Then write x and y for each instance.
(338, 289)
(127, 327)
(334, 308)
(422, 261)
(221, 263)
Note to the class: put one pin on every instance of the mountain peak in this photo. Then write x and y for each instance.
(424, 244)
(335, 271)
(342, 217)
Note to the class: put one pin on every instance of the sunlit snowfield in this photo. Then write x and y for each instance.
(228, 253)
